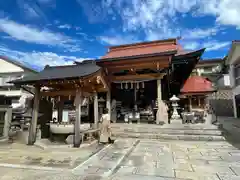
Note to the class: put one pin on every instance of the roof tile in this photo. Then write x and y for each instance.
(197, 84)
(143, 48)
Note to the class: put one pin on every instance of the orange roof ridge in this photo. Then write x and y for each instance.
(144, 44)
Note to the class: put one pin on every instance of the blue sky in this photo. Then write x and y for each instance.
(57, 32)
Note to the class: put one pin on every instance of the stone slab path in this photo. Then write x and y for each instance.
(171, 160)
(146, 160)
(20, 155)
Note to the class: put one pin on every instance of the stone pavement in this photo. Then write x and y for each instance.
(67, 158)
(140, 159)
(181, 160)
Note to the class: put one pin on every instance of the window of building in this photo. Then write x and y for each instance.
(237, 74)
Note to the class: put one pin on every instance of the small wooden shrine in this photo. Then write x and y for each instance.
(195, 89)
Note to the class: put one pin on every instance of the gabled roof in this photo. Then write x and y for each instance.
(16, 63)
(144, 48)
(62, 72)
(197, 84)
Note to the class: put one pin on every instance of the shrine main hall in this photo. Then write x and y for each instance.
(132, 80)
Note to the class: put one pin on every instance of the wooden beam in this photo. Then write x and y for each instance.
(135, 67)
(66, 93)
(33, 124)
(161, 59)
(137, 77)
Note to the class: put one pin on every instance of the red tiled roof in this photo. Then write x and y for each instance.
(197, 84)
(143, 48)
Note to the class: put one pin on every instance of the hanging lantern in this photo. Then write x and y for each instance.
(143, 85)
(131, 85)
(126, 85)
(69, 97)
(137, 85)
(121, 86)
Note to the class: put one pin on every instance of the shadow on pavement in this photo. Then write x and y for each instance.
(230, 128)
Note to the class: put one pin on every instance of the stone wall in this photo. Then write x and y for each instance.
(222, 103)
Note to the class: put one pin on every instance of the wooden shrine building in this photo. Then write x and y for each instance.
(135, 75)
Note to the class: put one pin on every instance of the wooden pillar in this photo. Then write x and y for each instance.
(60, 109)
(33, 124)
(78, 103)
(168, 84)
(199, 101)
(7, 121)
(108, 102)
(96, 118)
(190, 103)
(159, 100)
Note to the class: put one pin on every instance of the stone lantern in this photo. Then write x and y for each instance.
(175, 118)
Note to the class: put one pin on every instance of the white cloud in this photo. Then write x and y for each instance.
(191, 45)
(198, 33)
(159, 18)
(39, 59)
(227, 12)
(117, 40)
(212, 45)
(215, 45)
(65, 26)
(37, 36)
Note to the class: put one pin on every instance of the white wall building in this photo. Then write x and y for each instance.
(11, 70)
(233, 61)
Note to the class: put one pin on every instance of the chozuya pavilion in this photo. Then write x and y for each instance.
(131, 80)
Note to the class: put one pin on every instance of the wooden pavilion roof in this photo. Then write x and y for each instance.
(64, 80)
(61, 72)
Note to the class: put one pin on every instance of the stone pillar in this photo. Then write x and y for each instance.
(159, 101)
(78, 103)
(33, 124)
(96, 118)
(108, 102)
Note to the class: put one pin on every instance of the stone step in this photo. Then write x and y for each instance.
(171, 131)
(169, 136)
(154, 127)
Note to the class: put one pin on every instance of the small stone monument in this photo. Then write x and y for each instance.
(209, 115)
(175, 118)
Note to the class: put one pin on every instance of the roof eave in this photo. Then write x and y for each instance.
(23, 82)
(167, 53)
(191, 54)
